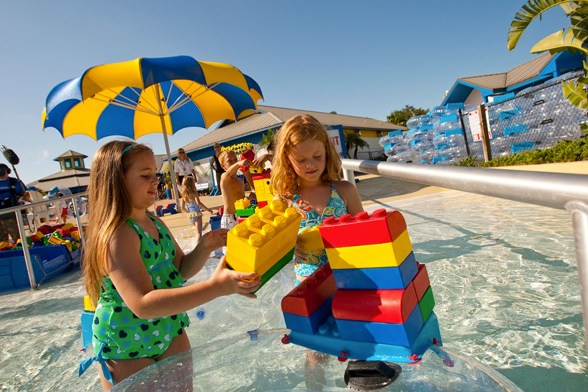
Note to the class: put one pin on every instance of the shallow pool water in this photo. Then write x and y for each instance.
(503, 275)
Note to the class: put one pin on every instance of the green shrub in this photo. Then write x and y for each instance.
(563, 151)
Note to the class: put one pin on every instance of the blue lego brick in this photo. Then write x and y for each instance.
(377, 278)
(515, 129)
(309, 324)
(522, 146)
(453, 131)
(506, 114)
(375, 332)
(440, 158)
(455, 105)
(448, 118)
(503, 97)
(86, 320)
(215, 222)
(328, 341)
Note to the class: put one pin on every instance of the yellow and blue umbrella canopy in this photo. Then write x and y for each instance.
(150, 95)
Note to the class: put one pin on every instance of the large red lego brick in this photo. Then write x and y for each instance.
(362, 229)
(421, 281)
(385, 306)
(309, 295)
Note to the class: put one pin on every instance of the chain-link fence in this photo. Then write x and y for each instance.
(535, 118)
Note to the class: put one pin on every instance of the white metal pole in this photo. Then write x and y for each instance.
(168, 153)
(25, 250)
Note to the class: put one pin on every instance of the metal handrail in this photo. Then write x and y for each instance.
(556, 190)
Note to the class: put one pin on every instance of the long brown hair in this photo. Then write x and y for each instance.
(109, 207)
(294, 131)
(188, 188)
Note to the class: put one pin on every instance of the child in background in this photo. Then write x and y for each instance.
(306, 173)
(232, 187)
(192, 204)
(134, 271)
(62, 206)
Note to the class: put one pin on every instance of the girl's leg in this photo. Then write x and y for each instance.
(121, 369)
(198, 225)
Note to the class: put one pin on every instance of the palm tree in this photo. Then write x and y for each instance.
(267, 138)
(352, 139)
(574, 39)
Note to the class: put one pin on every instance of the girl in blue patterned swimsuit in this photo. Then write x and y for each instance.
(307, 173)
(135, 272)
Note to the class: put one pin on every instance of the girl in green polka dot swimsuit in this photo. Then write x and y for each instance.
(135, 272)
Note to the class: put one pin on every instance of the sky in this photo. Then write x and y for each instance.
(362, 58)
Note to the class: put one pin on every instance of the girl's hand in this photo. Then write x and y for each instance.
(233, 282)
(214, 239)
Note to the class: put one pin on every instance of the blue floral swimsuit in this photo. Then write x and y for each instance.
(310, 218)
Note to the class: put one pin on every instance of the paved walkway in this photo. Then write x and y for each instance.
(372, 189)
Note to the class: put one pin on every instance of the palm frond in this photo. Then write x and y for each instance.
(524, 17)
(560, 41)
(575, 93)
(579, 22)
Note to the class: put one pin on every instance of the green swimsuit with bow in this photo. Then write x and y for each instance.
(116, 331)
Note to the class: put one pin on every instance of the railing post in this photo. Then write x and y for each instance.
(25, 250)
(485, 137)
(348, 175)
(579, 213)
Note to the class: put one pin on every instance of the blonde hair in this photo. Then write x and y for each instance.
(295, 131)
(110, 206)
(188, 187)
(223, 155)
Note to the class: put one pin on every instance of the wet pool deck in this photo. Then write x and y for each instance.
(372, 189)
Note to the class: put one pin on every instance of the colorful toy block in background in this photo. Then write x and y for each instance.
(243, 208)
(263, 187)
(169, 209)
(382, 307)
(265, 241)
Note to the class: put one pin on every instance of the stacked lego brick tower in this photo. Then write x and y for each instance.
(373, 301)
(262, 185)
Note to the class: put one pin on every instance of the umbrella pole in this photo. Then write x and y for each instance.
(172, 174)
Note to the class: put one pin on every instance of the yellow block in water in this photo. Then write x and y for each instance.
(88, 304)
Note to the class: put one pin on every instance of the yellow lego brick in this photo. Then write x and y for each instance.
(310, 240)
(256, 169)
(88, 304)
(242, 204)
(263, 191)
(260, 241)
(389, 254)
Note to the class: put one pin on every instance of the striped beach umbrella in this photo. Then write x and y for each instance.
(150, 95)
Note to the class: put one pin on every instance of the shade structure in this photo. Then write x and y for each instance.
(150, 95)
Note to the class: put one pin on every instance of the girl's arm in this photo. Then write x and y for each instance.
(130, 277)
(350, 195)
(201, 204)
(190, 264)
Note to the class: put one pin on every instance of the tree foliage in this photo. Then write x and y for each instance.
(575, 39)
(267, 138)
(400, 117)
(353, 140)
